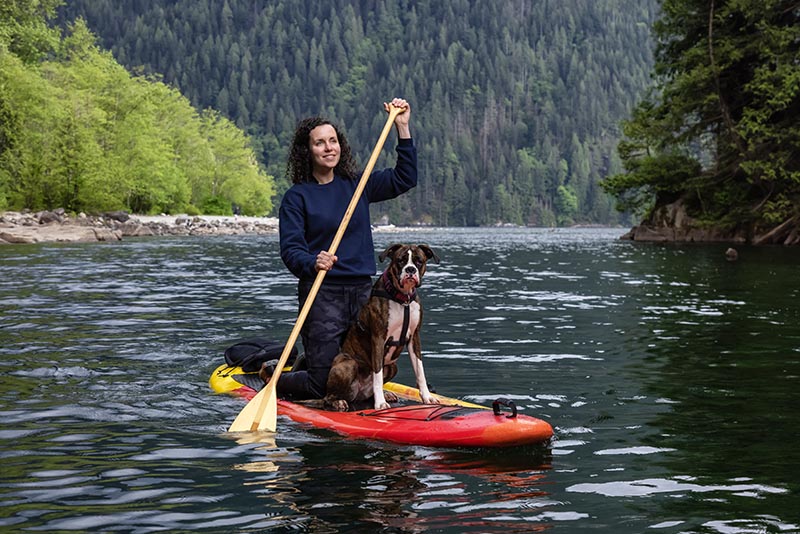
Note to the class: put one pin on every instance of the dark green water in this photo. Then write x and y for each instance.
(669, 374)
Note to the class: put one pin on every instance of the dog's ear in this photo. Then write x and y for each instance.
(429, 253)
(389, 251)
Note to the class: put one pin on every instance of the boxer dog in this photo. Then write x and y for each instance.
(388, 321)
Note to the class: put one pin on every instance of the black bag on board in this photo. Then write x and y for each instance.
(250, 353)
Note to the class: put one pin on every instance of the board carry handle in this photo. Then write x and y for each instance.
(508, 403)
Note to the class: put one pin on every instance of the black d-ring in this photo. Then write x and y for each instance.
(507, 403)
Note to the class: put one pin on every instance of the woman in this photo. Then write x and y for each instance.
(324, 179)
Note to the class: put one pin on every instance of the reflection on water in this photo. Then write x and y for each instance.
(668, 373)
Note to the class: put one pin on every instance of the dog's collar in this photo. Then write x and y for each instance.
(391, 292)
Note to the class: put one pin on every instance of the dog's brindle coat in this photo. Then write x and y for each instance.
(368, 357)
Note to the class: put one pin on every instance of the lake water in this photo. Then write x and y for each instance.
(669, 374)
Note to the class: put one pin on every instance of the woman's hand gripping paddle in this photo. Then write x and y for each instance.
(261, 413)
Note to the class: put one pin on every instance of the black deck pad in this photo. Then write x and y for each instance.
(251, 380)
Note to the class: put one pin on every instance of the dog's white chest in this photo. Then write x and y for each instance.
(394, 328)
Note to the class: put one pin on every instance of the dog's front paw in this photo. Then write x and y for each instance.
(390, 397)
(430, 399)
(382, 405)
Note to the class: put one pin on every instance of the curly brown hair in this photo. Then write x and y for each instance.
(298, 164)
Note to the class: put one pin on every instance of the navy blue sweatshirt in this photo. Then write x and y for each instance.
(310, 215)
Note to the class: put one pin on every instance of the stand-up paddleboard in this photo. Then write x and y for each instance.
(453, 423)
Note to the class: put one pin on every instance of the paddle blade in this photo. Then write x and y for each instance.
(256, 414)
(269, 421)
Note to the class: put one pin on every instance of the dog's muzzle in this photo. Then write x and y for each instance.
(410, 274)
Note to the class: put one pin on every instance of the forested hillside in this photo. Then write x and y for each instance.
(79, 132)
(516, 104)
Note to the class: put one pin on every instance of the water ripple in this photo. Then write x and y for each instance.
(650, 486)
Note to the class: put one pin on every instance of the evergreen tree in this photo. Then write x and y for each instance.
(723, 131)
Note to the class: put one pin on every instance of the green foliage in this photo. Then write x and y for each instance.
(24, 30)
(780, 209)
(724, 129)
(509, 101)
(80, 132)
(234, 171)
(651, 177)
(566, 204)
(192, 210)
(217, 206)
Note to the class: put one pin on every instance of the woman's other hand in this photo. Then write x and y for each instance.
(325, 261)
(402, 120)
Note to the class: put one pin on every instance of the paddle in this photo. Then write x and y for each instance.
(261, 413)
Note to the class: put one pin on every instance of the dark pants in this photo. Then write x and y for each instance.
(335, 308)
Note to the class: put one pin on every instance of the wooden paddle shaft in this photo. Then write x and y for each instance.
(267, 407)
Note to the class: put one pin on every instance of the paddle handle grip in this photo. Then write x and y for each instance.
(351, 208)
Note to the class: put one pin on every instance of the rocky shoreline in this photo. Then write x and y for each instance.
(668, 224)
(57, 226)
(671, 223)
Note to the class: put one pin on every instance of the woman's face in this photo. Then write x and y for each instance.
(324, 145)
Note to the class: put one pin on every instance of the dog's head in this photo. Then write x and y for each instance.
(408, 265)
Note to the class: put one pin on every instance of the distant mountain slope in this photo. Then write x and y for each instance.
(516, 104)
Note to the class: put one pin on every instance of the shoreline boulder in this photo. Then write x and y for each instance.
(671, 223)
